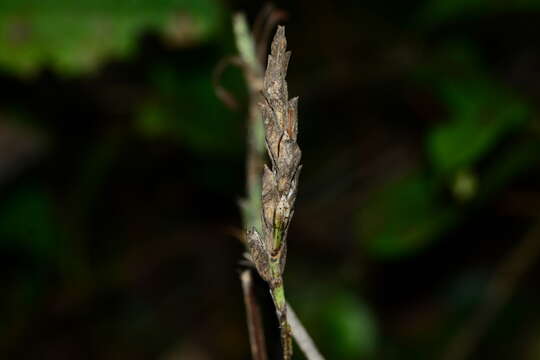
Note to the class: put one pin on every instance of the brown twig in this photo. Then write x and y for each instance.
(250, 56)
(253, 75)
(268, 248)
(254, 161)
(265, 22)
(260, 22)
(223, 94)
(300, 334)
(254, 320)
(498, 293)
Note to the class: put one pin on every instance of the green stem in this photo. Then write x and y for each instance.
(278, 295)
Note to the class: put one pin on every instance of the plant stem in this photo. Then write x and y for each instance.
(253, 75)
(278, 295)
(268, 246)
(255, 327)
(272, 252)
(300, 334)
(251, 205)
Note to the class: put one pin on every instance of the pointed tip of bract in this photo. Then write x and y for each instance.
(280, 31)
(279, 43)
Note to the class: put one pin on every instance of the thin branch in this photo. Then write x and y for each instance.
(224, 95)
(252, 206)
(300, 334)
(254, 320)
(265, 22)
(254, 162)
(253, 75)
(268, 248)
(498, 293)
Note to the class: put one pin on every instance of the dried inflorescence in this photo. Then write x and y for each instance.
(280, 182)
(268, 249)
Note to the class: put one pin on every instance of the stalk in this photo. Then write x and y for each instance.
(268, 248)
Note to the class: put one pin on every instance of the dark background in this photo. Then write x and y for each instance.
(120, 171)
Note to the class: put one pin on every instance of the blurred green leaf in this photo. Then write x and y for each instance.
(351, 327)
(481, 111)
(480, 114)
(403, 217)
(77, 36)
(343, 326)
(188, 110)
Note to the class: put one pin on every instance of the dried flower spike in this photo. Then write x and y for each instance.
(280, 182)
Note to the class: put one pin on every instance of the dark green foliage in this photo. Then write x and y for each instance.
(120, 171)
(75, 37)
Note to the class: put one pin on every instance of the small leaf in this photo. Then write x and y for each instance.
(480, 115)
(481, 112)
(352, 326)
(343, 326)
(403, 217)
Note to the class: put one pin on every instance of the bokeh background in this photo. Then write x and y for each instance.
(120, 170)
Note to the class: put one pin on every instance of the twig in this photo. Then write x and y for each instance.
(300, 334)
(255, 133)
(225, 96)
(265, 22)
(254, 320)
(268, 249)
(498, 293)
(254, 162)
(252, 204)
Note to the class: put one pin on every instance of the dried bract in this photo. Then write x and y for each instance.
(280, 181)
